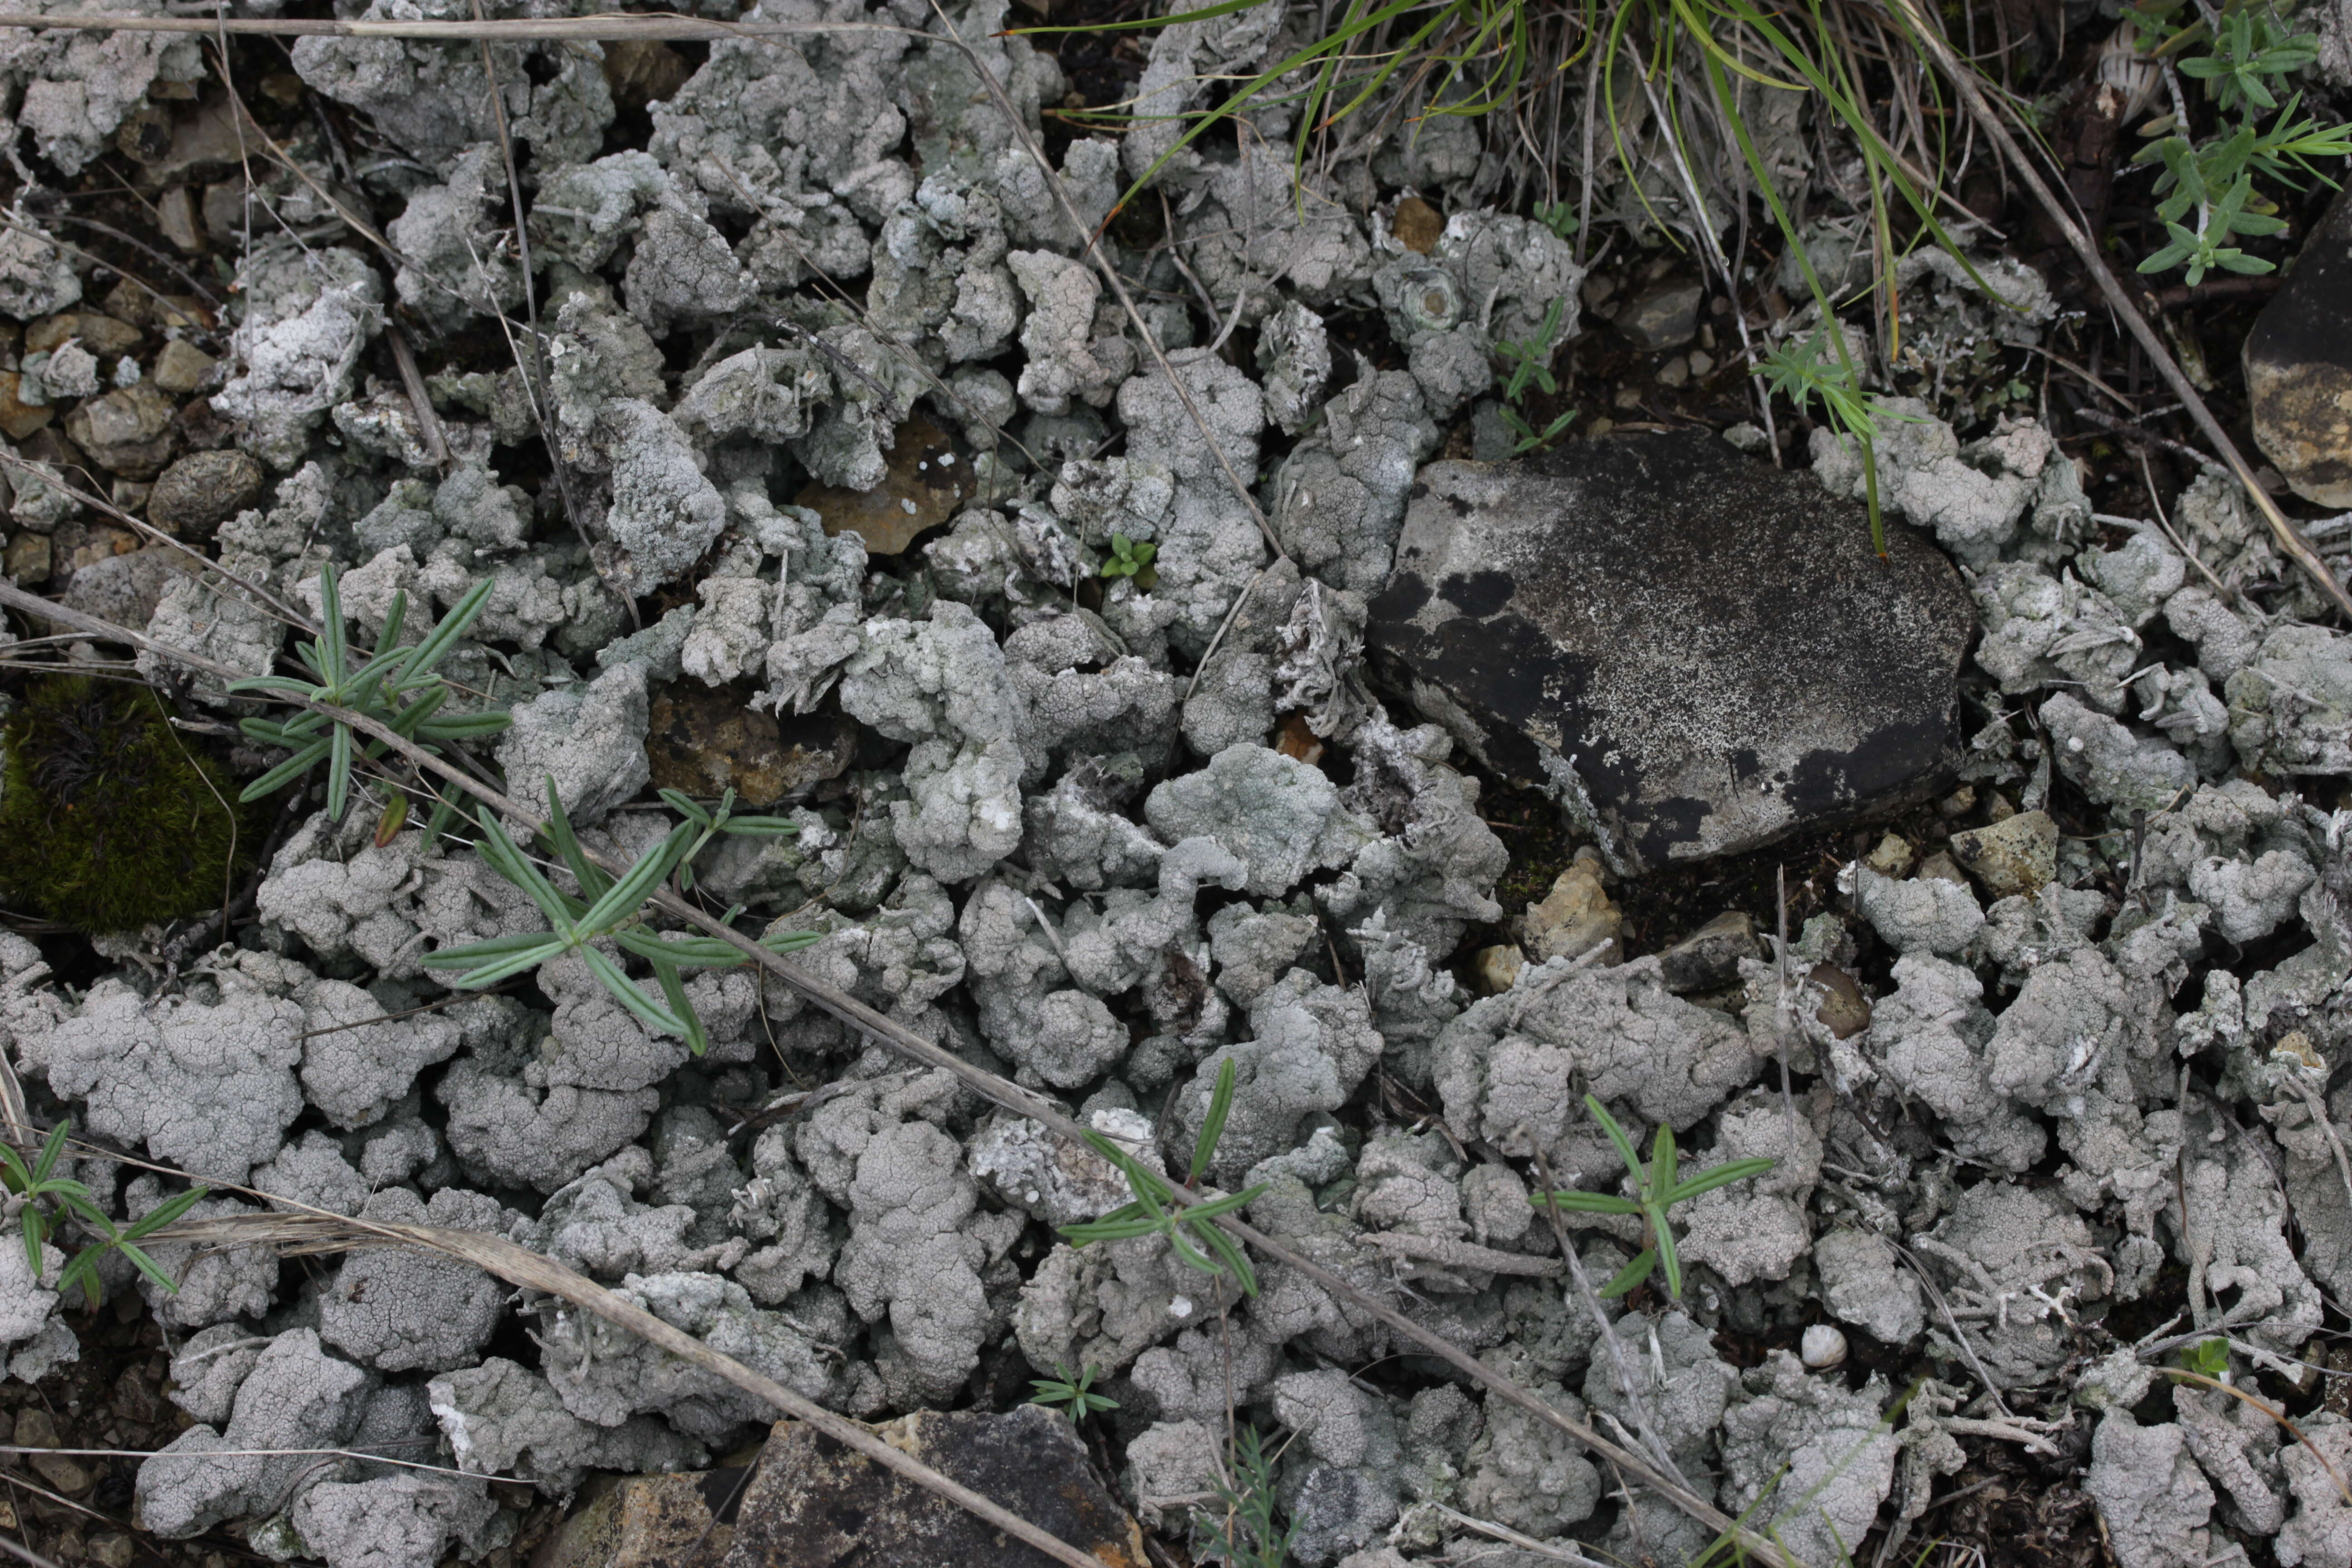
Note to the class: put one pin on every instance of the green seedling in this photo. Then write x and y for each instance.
(1806, 372)
(2206, 1358)
(1558, 217)
(44, 1203)
(1128, 557)
(1190, 1233)
(1658, 1187)
(1071, 1395)
(1246, 1536)
(613, 908)
(1529, 364)
(2208, 197)
(396, 686)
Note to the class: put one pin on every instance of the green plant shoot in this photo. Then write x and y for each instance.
(1658, 1186)
(394, 685)
(1190, 1233)
(44, 1203)
(1072, 1395)
(1246, 1536)
(610, 908)
(1128, 557)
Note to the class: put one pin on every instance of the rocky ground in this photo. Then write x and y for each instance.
(1156, 679)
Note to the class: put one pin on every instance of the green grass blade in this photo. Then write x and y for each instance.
(1668, 1255)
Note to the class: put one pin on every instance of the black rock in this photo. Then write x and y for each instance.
(813, 1503)
(1696, 653)
(2299, 366)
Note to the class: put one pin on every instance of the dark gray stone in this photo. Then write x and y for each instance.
(1662, 318)
(1696, 653)
(204, 490)
(813, 1503)
(2299, 366)
(1708, 959)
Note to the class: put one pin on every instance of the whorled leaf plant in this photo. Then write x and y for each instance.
(612, 909)
(1657, 1187)
(396, 685)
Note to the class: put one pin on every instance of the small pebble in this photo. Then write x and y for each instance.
(1701, 362)
(1675, 372)
(1498, 967)
(1822, 1348)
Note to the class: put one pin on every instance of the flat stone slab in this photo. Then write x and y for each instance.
(2299, 366)
(1697, 653)
(813, 1503)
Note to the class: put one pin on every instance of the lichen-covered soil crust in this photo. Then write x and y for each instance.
(797, 443)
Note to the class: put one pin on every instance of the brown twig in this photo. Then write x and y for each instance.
(412, 381)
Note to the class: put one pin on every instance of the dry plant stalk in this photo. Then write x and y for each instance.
(997, 1091)
(300, 1234)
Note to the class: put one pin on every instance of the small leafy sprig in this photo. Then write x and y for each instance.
(1815, 368)
(2215, 182)
(394, 685)
(1658, 1187)
(613, 908)
(1071, 1395)
(2208, 195)
(1128, 557)
(44, 1202)
(1529, 362)
(1246, 1537)
(1558, 217)
(1154, 1210)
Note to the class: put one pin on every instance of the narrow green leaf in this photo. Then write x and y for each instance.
(52, 1147)
(164, 1213)
(285, 772)
(1586, 1203)
(1616, 1135)
(339, 772)
(146, 1265)
(1213, 1126)
(625, 991)
(1627, 1278)
(1720, 1176)
(514, 963)
(594, 882)
(1668, 1255)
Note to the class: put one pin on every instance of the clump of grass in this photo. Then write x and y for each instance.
(110, 819)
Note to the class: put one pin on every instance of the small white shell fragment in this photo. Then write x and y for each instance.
(1822, 1347)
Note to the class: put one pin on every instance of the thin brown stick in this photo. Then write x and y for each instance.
(521, 1267)
(412, 381)
(2289, 537)
(990, 1087)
